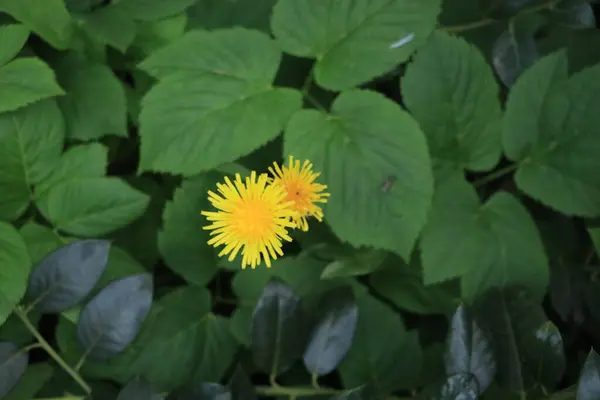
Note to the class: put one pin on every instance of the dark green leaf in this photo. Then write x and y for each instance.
(13, 363)
(354, 394)
(383, 352)
(15, 265)
(353, 42)
(456, 387)
(113, 318)
(12, 40)
(182, 241)
(111, 25)
(588, 387)
(528, 347)
(35, 377)
(213, 14)
(241, 386)
(333, 334)
(577, 15)
(152, 10)
(139, 389)
(278, 328)
(204, 391)
(360, 263)
(469, 350)
(66, 276)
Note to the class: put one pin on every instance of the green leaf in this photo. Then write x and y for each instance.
(278, 329)
(34, 378)
(455, 387)
(15, 269)
(366, 142)
(241, 386)
(451, 91)
(95, 103)
(111, 25)
(152, 10)
(139, 389)
(353, 42)
(92, 206)
(361, 262)
(215, 91)
(588, 386)
(12, 366)
(550, 131)
(213, 14)
(513, 53)
(153, 35)
(30, 146)
(203, 391)
(48, 18)
(528, 347)
(333, 334)
(12, 39)
(66, 276)
(488, 245)
(40, 240)
(182, 241)
(113, 318)
(469, 350)
(574, 15)
(402, 284)
(81, 161)
(383, 351)
(26, 81)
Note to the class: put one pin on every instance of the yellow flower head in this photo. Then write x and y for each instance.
(252, 217)
(300, 187)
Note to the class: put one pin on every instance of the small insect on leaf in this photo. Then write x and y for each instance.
(388, 183)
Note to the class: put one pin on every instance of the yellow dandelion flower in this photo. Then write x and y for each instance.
(252, 217)
(299, 184)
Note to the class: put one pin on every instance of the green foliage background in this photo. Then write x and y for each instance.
(459, 140)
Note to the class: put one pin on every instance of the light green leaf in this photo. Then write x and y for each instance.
(374, 159)
(48, 18)
(152, 10)
(15, 269)
(92, 206)
(382, 352)
(95, 103)
(550, 130)
(356, 41)
(82, 161)
(215, 92)
(24, 81)
(154, 35)
(31, 140)
(450, 89)
(488, 245)
(40, 240)
(182, 242)
(111, 25)
(12, 39)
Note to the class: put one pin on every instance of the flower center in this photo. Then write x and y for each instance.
(253, 219)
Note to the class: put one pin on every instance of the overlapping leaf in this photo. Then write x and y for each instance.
(16, 265)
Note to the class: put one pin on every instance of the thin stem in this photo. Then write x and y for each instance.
(548, 5)
(275, 391)
(314, 380)
(46, 346)
(62, 398)
(315, 103)
(495, 175)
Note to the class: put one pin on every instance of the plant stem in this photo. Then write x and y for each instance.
(495, 175)
(548, 5)
(46, 346)
(275, 391)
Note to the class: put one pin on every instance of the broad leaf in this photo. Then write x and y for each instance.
(152, 10)
(182, 241)
(139, 389)
(455, 387)
(528, 347)
(488, 245)
(95, 104)
(215, 91)
(333, 334)
(469, 350)
(12, 40)
(113, 318)
(213, 14)
(35, 377)
(92, 206)
(353, 42)
(82, 161)
(383, 352)
(574, 15)
(16, 264)
(31, 141)
(278, 329)
(550, 131)
(360, 263)
(48, 18)
(588, 387)
(66, 276)
(241, 386)
(450, 89)
(373, 157)
(203, 391)
(111, 25)
(12, 366)
(514, 52)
